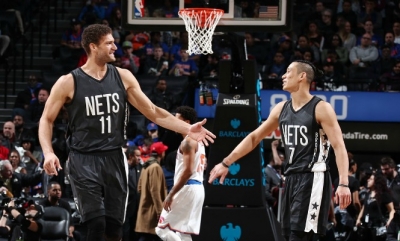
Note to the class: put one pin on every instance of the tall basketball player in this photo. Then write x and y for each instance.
(181, 215)
(95, 97)
(309, 130)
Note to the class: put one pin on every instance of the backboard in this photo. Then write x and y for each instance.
(239, 15)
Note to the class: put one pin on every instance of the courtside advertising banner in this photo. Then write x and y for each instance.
(349, 106)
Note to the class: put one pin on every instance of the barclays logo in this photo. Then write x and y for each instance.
(235, 123)
(234, 168)
(235, 182)
(230, 233)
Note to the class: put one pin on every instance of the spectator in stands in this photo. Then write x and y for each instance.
(169, 10)
(92, 13)
(390, 81)
(155, 40)
(32, 157)
(369, 13)
(15, 182)
(348, 38)
(376, 38)
(211, 68)
(71, 41)
(156, 64)
(115, 21)
(255, 51)
(28, 95)
(314, 35)
(8, 135)
(161, 97)
(53, 199)
(20, 130)
(396, 31)
(184, 66)
(362, 58)
(4, 151)
(129, 60)
(285, 46)
(274, 72)
(174, 53)
(15, 158)
(331, 80)
(327, 26)
(139, 40)
(316, 14)
(394, 47)
(145, 150)
(135, 169)
(36, 107)
(153, 191)
(348, 14)
(337, 45)
(388, 168)
(386, 62)
(152, 132)
(303, 43)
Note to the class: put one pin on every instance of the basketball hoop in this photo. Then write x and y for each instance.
(200, 24)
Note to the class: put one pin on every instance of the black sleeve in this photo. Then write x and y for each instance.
(386, 198)
(31, 180)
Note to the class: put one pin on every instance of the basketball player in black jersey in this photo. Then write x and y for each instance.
(309, 130)
(95, 97)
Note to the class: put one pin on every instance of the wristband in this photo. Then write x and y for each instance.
(343, 185)
(224, 164)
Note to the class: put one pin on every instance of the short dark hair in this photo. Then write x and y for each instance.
(130, 151)
(93, 34)
(308, 68)
(388, 161)
(52, 183)
(187, 113)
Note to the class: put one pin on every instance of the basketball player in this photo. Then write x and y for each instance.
(95, 97)
(309, 130)
(181, 215)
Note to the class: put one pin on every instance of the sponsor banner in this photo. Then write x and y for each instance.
(238, 224)
(349, 106)
(237, 116)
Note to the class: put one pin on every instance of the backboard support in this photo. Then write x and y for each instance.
(273, 15)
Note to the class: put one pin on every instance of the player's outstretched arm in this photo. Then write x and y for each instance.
(326, 116)
(188, 148)
(61, 91)
(247, 144)
(160, 116)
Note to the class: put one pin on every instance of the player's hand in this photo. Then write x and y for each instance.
(167, 202)
(218, 171)
(199, 133)
(51, 164)
(343, 197)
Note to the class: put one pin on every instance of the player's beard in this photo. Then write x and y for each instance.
(106, 57)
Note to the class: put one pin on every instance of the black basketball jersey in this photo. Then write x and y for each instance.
(98, 112)
(306, 144)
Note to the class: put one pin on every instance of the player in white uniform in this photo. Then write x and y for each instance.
(181, 215)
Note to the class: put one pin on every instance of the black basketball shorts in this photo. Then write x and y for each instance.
(306, 202)
(99, 182)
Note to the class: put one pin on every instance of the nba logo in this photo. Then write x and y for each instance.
(139, 8)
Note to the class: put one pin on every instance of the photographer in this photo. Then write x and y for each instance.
(15, 182)
(28, 219)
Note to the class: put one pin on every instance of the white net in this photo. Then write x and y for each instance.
(200, 25)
